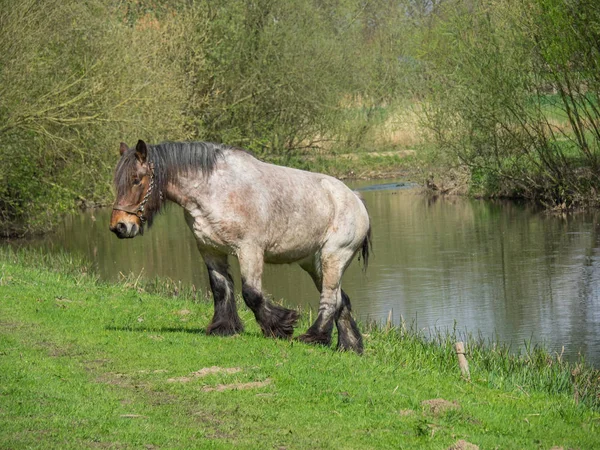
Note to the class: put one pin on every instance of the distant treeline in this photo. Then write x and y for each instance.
(506, 90)
(511, 94)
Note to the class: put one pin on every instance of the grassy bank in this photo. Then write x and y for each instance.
(85, 364)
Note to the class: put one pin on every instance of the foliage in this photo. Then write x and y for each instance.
(512, 92)
(74, 80)
(275, 76)
(506, 91)
(269, 75)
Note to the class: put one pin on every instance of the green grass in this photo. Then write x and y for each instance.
(85, 364)
(357, 165)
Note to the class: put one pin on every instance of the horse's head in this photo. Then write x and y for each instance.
(137, 197)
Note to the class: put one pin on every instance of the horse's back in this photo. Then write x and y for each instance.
(315, 204)
(287, 213)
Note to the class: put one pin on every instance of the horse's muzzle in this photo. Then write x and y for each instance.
(125, 230)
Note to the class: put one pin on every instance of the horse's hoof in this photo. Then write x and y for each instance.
(279, 322)
(349, 337)
(315, 338)
(356, 348)
(222, 328)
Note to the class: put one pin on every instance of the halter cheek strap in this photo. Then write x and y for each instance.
(136, 212)
(139, 212)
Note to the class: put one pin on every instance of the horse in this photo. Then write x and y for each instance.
(235, 204)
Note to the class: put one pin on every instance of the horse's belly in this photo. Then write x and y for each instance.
(283, 254)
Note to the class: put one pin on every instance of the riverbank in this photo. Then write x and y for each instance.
(360, 165)
(87, 364)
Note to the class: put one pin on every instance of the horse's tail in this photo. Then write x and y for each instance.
(367, 245)
(366, 248)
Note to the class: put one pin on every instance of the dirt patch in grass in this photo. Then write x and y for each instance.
(463, 445)
(96, 364)
(204, 372)
(214, 425)
(12, 326)
(115, 379)
(114, 445)
(439, 406)
(237, 386)
(62, 301)
(55, 351)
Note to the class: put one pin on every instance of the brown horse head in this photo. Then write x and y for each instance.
(136, 200)
(144, 174)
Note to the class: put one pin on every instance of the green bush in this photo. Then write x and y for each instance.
(511, 90)
(75, 79)
(274, 76)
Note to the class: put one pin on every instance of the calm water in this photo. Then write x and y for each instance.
(505, 271)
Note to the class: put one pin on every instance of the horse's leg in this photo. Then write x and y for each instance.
(226, 320)
(274, 320)
(330, 272)
(334, 305)
(349, 337)
(319, 332)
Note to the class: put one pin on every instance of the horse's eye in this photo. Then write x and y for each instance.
(136, 181)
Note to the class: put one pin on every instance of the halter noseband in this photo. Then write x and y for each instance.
(139, 212)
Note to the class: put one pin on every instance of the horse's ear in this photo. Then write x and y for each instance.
(123, 148)
(141, 151)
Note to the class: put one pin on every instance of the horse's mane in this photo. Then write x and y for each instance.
(169, 160)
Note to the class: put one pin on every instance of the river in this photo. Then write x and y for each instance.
(504, 271)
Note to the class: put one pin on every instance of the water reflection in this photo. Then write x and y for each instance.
(502, 269)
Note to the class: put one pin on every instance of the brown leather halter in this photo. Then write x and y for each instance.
(139, 212)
